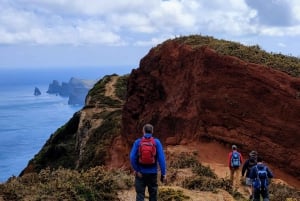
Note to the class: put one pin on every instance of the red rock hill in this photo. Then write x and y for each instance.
(190, 94)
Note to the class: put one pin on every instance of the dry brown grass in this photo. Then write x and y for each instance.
(187, 180)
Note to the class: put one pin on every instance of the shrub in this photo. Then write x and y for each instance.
(281, 192)
(183, 160)
(168, 194)
(65, 184)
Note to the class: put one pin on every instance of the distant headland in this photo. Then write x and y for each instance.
(76, 89)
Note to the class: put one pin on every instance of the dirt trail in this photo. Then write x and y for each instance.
(110, 89)
(215, 155)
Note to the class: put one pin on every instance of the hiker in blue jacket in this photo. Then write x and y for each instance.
(146, 171)
(260, 175)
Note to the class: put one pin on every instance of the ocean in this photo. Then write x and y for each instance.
(27, 121)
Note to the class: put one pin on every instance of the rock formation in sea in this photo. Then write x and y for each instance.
(37, 91)
(190, 93)
(76, 89)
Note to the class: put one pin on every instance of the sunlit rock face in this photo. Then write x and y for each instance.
(192, 94)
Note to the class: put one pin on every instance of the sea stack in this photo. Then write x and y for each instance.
(37, 91)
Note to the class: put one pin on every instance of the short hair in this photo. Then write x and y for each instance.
(253, 154)
(148, 128)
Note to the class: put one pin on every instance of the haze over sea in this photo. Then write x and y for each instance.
(27, 121)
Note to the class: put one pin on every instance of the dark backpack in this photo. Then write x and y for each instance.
(261, 181)
(235, 159)
(147, 151)
(252, 162)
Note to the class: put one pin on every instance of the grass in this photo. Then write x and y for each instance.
(169, 194)
(281, 192)
(96, 183)
(100, 184)
(253, 54)
(65, 184)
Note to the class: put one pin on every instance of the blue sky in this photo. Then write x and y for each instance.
(81, 33)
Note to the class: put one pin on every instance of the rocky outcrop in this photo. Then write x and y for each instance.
(76, 89)
(194, 93)
(189, 93)
(37, 91)
(86, 139)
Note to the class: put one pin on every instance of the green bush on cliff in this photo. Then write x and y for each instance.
(64, 184)
(253, 54)
(97, 93)
(100, 140)
(169, 194)
(121, 87)
(98, 184)
(281, 192)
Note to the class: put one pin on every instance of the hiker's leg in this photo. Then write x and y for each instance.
(265, 194)
(231, 174)
(232, 177)
(140, 188)
(237, 178)
(152, 187)
(256, 195)
(249, 186)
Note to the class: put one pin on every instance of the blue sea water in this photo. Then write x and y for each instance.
(27, 121)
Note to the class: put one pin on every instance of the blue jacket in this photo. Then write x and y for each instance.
(260, 166)
(160, 157)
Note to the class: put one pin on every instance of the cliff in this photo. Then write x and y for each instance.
(191, 93)
(84, 141)
(76, 89)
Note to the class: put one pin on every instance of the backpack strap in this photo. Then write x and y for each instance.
(257, 176)
(151, 138)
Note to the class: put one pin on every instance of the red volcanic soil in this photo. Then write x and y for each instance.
(194, 95)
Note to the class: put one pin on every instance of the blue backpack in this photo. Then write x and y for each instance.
(261, 181)
(235, 159)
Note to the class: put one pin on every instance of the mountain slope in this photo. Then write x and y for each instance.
(190, 92)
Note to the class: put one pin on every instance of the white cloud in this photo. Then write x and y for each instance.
(295, 6)
(144, 23)
(171, 15)
(153, 41)
(281, 44)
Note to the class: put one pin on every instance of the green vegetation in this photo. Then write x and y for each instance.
(121, 87)
(97, 94)
(100, 184)
(183, 160)
(101, 139)
(169, 194)
(60, 148)
(281, 192)
(65, 184)
(90, 181)
(204, 179)
(253, 54)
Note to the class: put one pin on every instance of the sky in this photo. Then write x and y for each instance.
(95, 33)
